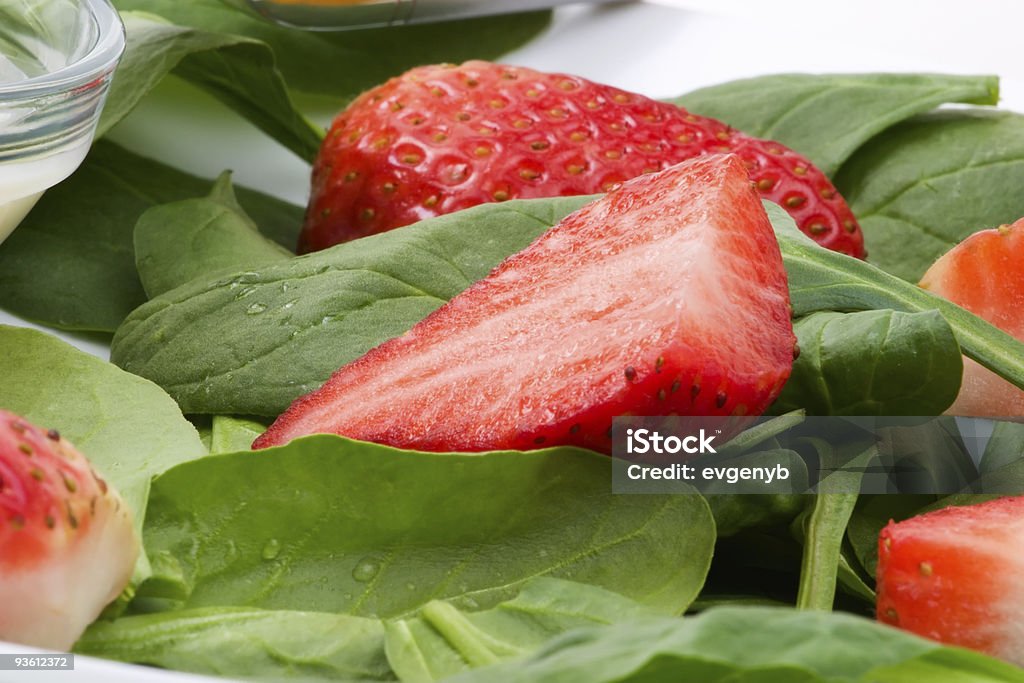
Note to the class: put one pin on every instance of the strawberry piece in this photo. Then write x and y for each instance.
(67, 544)
(953, 576)
(442, 138)
(985, 275)
(666, 296)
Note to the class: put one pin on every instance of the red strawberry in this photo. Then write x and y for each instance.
(954, 576)
(666, 296)
(67, 545)
(442, 138)
(985, 275)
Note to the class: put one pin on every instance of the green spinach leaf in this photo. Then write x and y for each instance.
(823, 280)
(921, 187)
(762, 644)
(180, 241)
(445, 640)
(343, 64)
(334, 525)
(238, 71)
(827, 117)
(247, 643)
(127, 426)
(442, 640)
(253, 342)
(879, 362)
(71, 265)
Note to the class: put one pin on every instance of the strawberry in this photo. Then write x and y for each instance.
(953, 575)
(666, 296)
(67, 544)
(985, 275)
(442, 138)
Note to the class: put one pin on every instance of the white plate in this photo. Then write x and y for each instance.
(655, 50)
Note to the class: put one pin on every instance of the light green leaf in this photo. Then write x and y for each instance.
(334, 525)
(126, 426)
(761, 644)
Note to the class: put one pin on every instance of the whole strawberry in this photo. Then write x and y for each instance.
(442, 138)
(67, 544)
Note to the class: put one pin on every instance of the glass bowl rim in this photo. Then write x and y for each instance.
(100, 60)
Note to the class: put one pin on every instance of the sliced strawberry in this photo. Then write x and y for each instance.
(955, 576)
(67, 545)
(985, 275)
(442, 138)
(666, 296)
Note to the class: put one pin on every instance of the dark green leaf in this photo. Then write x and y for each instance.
(823, 280)
(923, 186)
(343, 64)
(71, 263)
(879, 362)
(333, 525)
(827, 117)
(237, 70)
(1005, 446)
(253, 342)
(178, 242)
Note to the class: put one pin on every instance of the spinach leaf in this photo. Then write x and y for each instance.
(822, 527)
(180, 241)
(763, 644)
(250, 643)
(924, 185)
(71, 265)
(444, 640)
(823, 280)
(238, 71)
(827, 117)
(267, 528)
(879, 362)
(253, 342)
(128, 427)
(230, 434)
(343, 64)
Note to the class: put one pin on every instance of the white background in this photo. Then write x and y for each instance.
(656, 50)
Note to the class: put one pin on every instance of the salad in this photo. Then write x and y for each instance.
(364, 555)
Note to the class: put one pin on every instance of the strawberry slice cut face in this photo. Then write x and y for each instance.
(955, 576)
(985, 275)
(666, 296)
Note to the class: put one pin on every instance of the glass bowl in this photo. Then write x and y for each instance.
(56, 61)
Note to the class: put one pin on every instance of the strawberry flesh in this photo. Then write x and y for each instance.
(442, 138)
(953, 576)
(666, 296)
(67, 544)
(985, 275)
